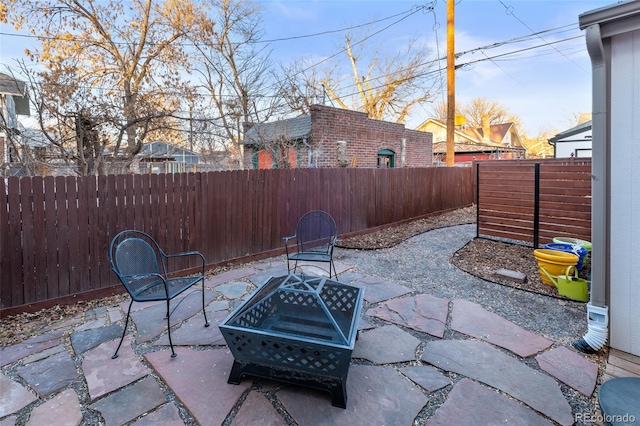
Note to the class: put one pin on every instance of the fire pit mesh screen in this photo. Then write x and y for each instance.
(298, 329)
(306, 307)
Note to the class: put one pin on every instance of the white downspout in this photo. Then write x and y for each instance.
(597, 309)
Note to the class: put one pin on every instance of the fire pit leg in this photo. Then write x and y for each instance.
(235, 374)
(339, 394)
(337, 387)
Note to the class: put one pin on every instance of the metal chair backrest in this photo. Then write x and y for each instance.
(316, 231)
(133, 255)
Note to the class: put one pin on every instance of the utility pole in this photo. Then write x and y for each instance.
(451, 85)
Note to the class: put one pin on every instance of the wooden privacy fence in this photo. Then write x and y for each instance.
(56, 231)
(533, 201)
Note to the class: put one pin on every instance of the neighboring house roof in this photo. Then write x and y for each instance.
(573, 134)
(471, 139)
(10, 86)
(292, 129)
(166, 151)
(441, 148)
(17, 89)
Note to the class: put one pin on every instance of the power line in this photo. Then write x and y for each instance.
(275, 40)
(334, 31)
(509, 11)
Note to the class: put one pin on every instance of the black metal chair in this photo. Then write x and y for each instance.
(316, 235)
(141, 266)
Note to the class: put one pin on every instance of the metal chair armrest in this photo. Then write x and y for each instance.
(188, 253)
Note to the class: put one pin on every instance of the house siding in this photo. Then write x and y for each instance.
(624, 285)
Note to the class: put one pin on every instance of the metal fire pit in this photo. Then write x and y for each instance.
(296, 329)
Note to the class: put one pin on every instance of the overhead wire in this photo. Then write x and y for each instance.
(510, 11)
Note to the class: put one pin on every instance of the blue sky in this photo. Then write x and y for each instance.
(546, 86)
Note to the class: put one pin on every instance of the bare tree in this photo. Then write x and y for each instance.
(475, 111)
(478, 108)
(385, 87)
(402, 82)
(234, 66)
(116, 63)
(300, 86)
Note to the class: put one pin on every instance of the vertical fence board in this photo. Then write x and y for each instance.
(96, 252)
(6, 254)
(28, 242)
(105, 233)
(51, 236)
(83, 242)
(14, 246)
(62, 245)
(40, 242)
(75, 260)
(173, 214)
(138, 203)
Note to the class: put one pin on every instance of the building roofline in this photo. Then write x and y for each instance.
(582, 127)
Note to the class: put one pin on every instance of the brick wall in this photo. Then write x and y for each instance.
(364, 137)
(341, 137)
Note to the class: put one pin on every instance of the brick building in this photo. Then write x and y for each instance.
(332, 137)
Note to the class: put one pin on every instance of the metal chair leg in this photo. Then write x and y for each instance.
(126, 323)
(206, 321)
(173, 353)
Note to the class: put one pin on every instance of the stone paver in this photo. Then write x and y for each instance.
(151, 322)
(84, 340)
(364, 323)
(386, 345)
(487, 364)
(167, 415)
(14, 396)
(127, 404)
(349, 276)
(9, 421)
(424, 313)
(44, 354)
(256, 410)
(375, 395)
(96, 323)
(278, 271)
(114, 314)
(378, 289)
(469, 403)
(199, 379)
(61, 410)
(234, 290)
(570, 368)
(104, 375)
(193, 332)
(30, 346)
(232, 275)
(218, 305)
(473, 320)
(426, 376)
(50, 374)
